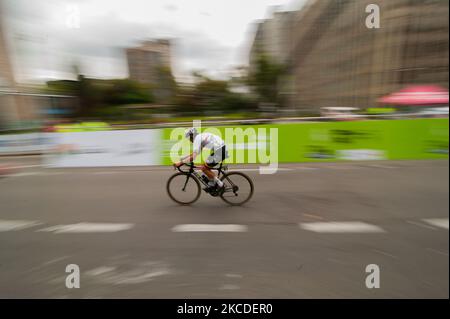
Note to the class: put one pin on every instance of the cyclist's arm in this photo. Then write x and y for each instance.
(187, 159)
(197, 149)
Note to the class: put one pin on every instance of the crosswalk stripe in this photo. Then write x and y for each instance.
(438, 222)
(88, 228)
(341, 227)
(12, 225)
(209, 228)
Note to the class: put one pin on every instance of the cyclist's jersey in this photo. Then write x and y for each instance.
(207, 140)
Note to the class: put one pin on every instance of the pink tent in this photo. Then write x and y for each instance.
(417, 95)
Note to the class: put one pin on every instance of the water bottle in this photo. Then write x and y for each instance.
(205, 178)
(197, 173)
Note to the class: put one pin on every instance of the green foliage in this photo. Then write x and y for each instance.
(264, 79)
(127, 92)
(63, 87)
(209, 96)
(105, 99)
(97, 96)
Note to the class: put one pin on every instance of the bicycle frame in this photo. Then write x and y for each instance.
(192, 172)
(226, 177)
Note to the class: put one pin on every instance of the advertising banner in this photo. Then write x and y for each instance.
(324, 141)
(262, 144)
(24, 143)
(105, 148)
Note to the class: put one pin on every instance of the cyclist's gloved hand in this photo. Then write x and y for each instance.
(178, 164)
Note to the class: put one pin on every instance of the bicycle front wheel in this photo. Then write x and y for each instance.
(183, 188)
(238, 188)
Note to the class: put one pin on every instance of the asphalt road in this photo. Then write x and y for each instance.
(309, 232)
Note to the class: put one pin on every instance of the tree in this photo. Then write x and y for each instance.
(125, 91)
(264, 79)
(208, 95)
(166, 86)
(94, 95)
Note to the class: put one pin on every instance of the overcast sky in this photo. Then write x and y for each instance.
(46, 37)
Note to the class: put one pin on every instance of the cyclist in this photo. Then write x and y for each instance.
(218, 154)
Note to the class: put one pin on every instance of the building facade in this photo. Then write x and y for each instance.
(273, 38)
(150, 64)
(336, 60)
(19, 107)
(8, 103)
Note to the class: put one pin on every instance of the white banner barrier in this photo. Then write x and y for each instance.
(24, 143)
(105, 148)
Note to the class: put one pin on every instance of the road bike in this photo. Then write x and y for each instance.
(184, 187)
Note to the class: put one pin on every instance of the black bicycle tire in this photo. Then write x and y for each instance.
(177, 201)
(251, 187)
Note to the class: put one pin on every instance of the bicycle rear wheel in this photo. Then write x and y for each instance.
(183, 188)
(238, 188)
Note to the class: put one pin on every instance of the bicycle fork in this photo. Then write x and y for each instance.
(185, 183)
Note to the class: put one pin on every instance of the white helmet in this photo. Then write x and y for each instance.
(191, 131)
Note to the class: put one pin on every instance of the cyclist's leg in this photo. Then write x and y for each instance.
(210, 162)
(207, 170)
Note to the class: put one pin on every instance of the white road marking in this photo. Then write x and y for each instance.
(438, 222)
(25, 174)
(11, 225)
(381, 166)
(129, 274)
(384, 253)
(341, 227)
(100, 271)
(107, 172)
(229, 287)
(209, 228)
(420, 225)
(88, 228)
(233, 275)
(55, 260)
(45, 264)
(375, 166)
(438, 251)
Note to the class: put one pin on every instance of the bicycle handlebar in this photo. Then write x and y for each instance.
(191, 164)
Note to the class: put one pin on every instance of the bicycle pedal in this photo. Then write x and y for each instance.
(220, 190)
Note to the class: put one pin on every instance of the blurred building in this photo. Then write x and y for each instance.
(20, 106)
(273, 40)
(335, 60)
(8, 103)
(150, 64)
(273, 37)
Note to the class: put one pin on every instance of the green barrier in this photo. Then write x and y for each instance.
(326, 141)
(82, 127)
(380, 110)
